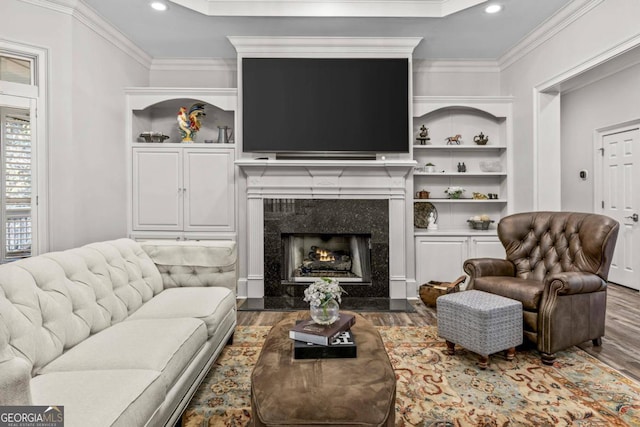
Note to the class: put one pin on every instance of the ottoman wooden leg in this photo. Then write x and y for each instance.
(483, 362)
(511, 353)
(450, 348)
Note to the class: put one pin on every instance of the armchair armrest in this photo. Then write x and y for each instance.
(482, 267)
(575, 282)
(572, 311)
(479, 267)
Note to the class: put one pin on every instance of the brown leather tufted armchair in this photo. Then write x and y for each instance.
(557, 266)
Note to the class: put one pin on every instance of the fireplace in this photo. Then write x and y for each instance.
(308, 256)
(305, 239)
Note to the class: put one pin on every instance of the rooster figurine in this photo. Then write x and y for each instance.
(189, 122)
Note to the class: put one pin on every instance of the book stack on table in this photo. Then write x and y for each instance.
(314, 341)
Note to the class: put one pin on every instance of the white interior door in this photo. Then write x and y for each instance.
(621, 201)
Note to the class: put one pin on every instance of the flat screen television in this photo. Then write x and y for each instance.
(325, 105)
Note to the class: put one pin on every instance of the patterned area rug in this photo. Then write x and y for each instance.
(435, 389)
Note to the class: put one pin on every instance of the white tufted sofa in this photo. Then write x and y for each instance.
(121, 333)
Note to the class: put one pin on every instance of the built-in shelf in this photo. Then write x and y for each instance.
(180, 144)
(455, 232)
(459, 147)
(434, 200)
(469, 117)
(472, 174)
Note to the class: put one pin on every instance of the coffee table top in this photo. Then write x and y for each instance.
(287, 391)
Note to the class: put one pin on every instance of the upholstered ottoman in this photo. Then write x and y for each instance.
(480, 322)
(357, 391)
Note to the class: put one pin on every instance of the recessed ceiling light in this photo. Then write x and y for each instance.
(158, 5)
(493, 8)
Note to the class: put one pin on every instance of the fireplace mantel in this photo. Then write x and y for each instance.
(340, 178)
(314, 163)
(326, 179)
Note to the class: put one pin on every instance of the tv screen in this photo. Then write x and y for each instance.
(325, 105)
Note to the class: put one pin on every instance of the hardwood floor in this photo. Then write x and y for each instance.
(620, 345)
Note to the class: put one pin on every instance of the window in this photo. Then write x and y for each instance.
(23, 220)
(16, 183)
(16, 69)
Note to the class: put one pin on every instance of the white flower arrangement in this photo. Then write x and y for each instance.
(455, 191)
(322, 291)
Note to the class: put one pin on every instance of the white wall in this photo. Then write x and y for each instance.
(87, 74)
(606, 25)
(612, 100)
(456, 78)
(218, 73)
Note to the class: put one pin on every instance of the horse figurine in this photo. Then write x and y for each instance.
(454, 139)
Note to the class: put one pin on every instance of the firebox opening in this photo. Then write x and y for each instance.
(307, 256)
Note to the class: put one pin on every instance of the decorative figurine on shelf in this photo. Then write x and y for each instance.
(189, 122)
(431, 221)
(455, 139)
(224, 134)
(481, 139)
(462, 167)
(423, 136)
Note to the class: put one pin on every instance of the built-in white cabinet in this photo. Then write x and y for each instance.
(481, 170)
(181, 190)
(441, 257)
(484, 169)
(486, 247)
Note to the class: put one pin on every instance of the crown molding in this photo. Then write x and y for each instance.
(85, 15)
(455, 66)
(194, 64)
(353, 47)
(612, 61)
(329, 8)
(548, 29)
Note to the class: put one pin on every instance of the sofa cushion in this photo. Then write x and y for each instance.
(191, 263)
(211, 305)
(54, 301)
(528, 292)
(101, 398)
(165, 345)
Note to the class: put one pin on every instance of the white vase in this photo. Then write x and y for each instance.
(326, 313)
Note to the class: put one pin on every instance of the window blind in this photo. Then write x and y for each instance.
(17, 176)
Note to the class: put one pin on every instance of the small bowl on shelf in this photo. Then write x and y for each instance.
(490, 166)
(480, 224)
(153, 136)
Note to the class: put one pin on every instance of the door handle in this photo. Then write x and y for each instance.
(633, 217)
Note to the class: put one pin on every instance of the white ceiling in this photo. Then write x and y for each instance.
(469, 34)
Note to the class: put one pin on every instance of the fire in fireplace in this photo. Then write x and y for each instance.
(306, 257)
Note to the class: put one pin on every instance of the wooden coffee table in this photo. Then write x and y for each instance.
(288, 392)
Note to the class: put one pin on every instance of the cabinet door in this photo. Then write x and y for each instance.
(440, 258)
(209, 202)
(486, 247)
(157, 189)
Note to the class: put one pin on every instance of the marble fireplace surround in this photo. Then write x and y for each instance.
(329, 217)
(325, 179)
